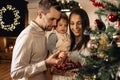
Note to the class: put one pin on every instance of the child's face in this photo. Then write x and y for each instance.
(62, 26)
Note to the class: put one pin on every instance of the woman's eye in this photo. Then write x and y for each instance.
(71, 23)
(79, 23)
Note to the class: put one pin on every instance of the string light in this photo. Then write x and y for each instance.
(67, 5)
(12, 26)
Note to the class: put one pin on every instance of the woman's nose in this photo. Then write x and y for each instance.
(75, 26)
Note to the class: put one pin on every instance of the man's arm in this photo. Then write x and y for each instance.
(21, 66)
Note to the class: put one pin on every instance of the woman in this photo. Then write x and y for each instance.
(79, 22)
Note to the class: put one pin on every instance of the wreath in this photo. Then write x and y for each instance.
(12, 26)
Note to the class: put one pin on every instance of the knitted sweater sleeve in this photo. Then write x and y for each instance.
(51, 44)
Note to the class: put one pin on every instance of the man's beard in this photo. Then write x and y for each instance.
(48, 28)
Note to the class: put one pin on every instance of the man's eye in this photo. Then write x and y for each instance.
(52, 19)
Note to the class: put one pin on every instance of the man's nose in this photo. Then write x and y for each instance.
(54, 23)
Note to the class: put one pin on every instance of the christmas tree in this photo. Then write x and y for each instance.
(104, 63)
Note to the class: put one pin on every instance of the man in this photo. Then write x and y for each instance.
(29, 54)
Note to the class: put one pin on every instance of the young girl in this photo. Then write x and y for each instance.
(59, 39)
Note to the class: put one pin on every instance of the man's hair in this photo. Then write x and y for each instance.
(45, 5)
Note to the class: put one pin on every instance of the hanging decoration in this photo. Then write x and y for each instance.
(15, 22)
(67, 5)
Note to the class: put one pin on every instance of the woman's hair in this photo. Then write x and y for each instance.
(85, 25)
(45, 5)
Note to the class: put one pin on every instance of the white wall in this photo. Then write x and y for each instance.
(89, 8)
(32, 9)
(86, 5)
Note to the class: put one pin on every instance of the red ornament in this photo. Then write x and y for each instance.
(99, 24)
(112, 17)
(118, 24)
(97, 4)
(67, 65)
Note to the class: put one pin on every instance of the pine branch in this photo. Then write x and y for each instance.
(110, 6)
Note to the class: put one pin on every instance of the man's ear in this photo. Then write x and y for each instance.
(40, 13)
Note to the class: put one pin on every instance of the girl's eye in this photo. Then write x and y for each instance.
(66, 25)
(60, 24)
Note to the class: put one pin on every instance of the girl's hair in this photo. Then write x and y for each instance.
(85, 25)
(45, 5)
(63, 16)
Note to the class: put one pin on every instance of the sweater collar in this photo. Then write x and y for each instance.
(36, 26)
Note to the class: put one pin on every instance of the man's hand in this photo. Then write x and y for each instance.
(53, 59)
(62, 56)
